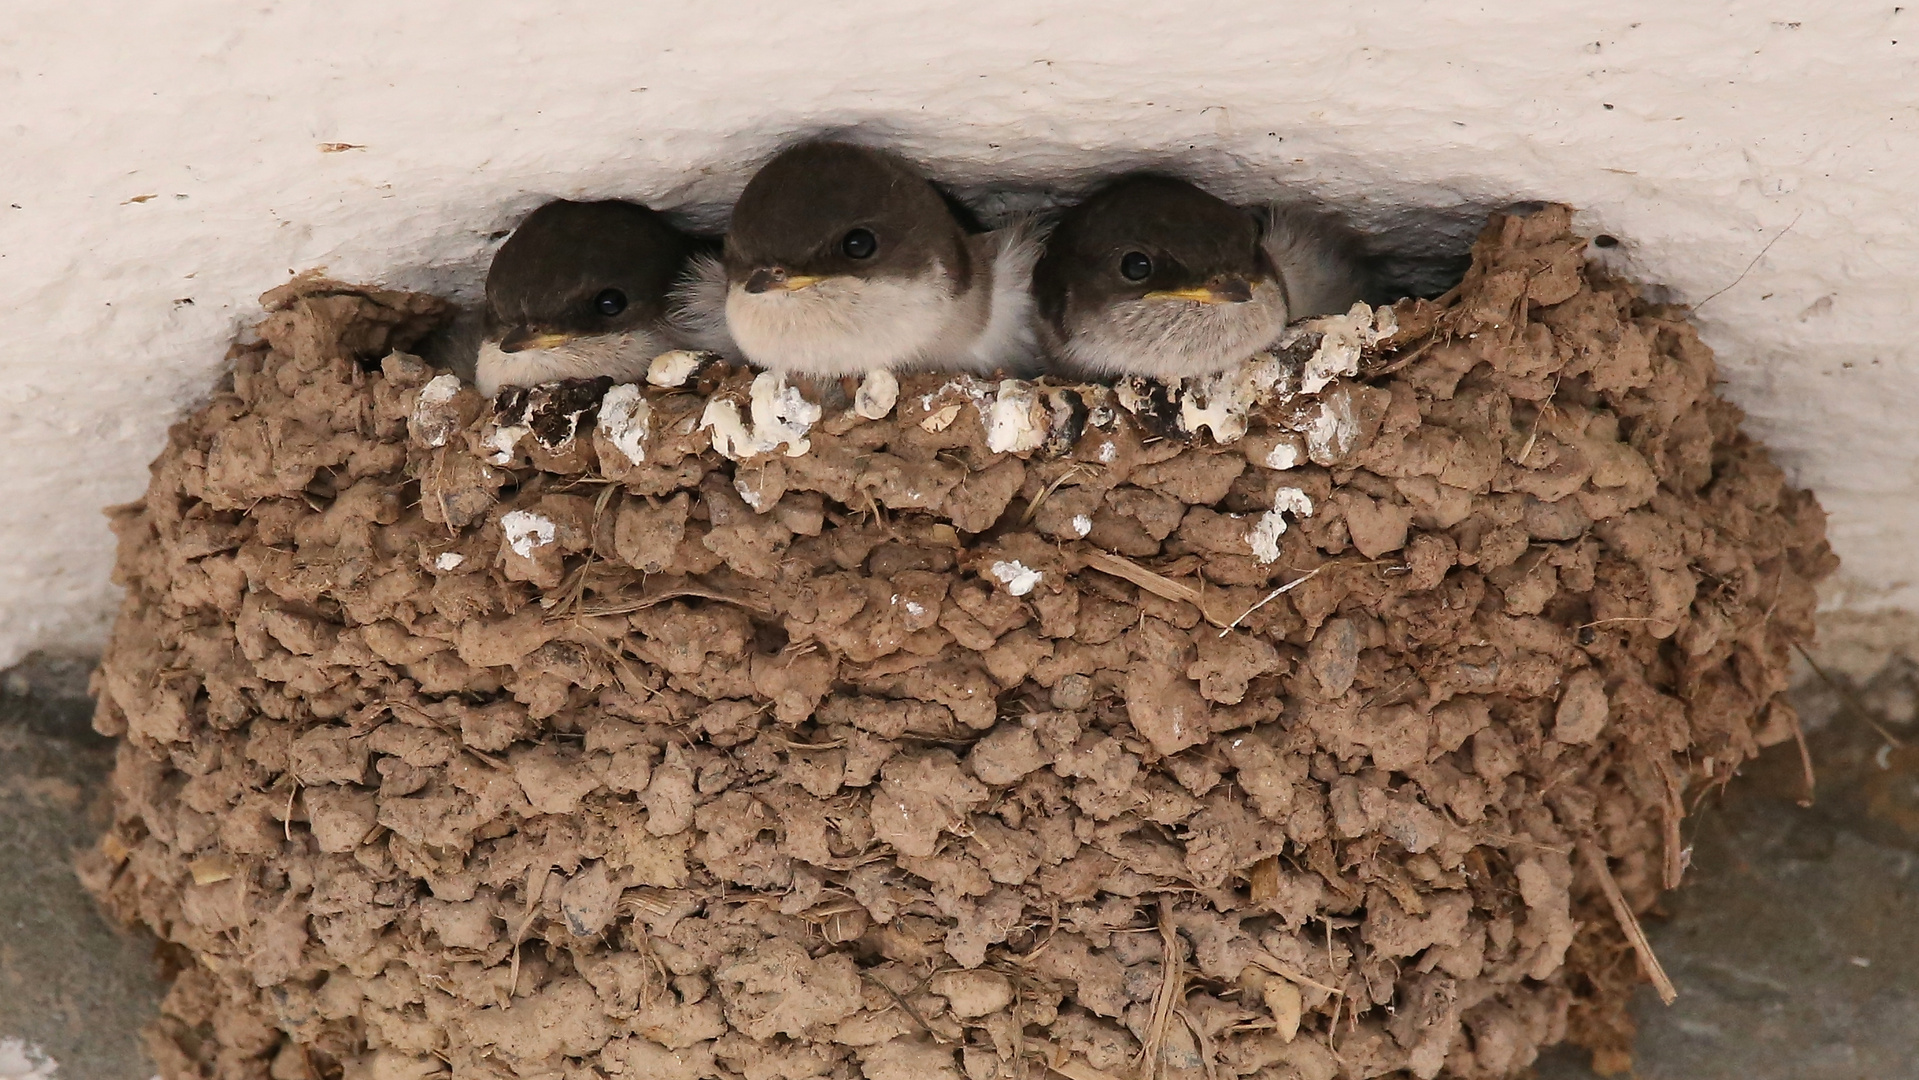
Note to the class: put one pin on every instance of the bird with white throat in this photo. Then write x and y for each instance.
(1154, 276)
(584, 289)
(842, 260)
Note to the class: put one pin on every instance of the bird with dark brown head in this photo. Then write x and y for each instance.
(1153, 276)
(843, 259)
(583, 289)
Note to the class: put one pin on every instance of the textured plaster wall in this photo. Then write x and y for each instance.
(163, 164)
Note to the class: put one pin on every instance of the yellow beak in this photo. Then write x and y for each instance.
(521, 338)
(775, 279)
(800, 281)
(1199, 294)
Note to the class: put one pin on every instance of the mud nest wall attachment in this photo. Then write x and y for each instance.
(1330, 718)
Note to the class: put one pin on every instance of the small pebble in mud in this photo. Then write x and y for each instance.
(1072, 693)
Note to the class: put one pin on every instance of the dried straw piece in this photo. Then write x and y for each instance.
(1596, 860)
(1172, 991)
(211, 869)
(1291, 974)
(1672, 811)
(536, 881)
(1159, 585)
(1851, 700)
(1275, 594)
(1805, 755)
(906, 1007)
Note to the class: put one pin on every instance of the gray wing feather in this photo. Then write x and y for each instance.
(456, 346)
(696, 312)
(1320, 259)
(1010, 338)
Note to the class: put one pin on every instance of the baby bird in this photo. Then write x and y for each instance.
(842, 260)
(1152, 276)
(583, 289)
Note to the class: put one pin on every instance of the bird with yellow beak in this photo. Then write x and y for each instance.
(1153, 276)
(843, 259)
(584, 289)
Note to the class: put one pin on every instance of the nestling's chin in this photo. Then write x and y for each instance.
(841, 326)
(623, 357)
(1173, 339)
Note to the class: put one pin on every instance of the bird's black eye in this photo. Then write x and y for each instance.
(859, 244)
(610, 302)
(1135, 266)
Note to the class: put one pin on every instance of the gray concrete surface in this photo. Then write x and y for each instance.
(1795, 940)
(71, 984)
(1794, 943)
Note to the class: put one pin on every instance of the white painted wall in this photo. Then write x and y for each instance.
(1696, 132)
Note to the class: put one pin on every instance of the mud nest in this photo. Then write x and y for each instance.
(1330, 718)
